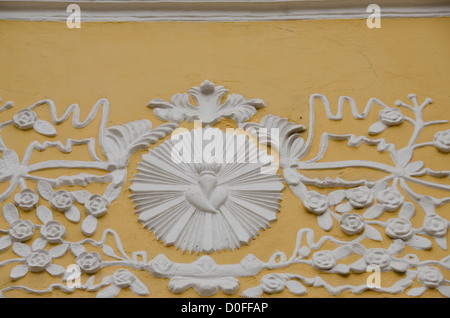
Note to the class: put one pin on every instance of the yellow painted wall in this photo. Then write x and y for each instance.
(280, 62)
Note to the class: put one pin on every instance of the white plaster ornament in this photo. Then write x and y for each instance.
(210, 200)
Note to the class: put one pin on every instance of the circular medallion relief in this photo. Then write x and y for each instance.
(206, 190)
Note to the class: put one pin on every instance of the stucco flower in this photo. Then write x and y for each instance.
(389, 200)
(62, 200)
(437, 227)
(387, 117)
(430, 278)
(89, 262)
(37, 260)
(323, 260)
(318, 204)
(360, 197)
(122, 279)
(26, 199)
(382, 258)
(401, 228)
(53, 232)
(442, 141)
(391, 116)
(378, 256)
(19, 230)
(26, 119)
(352, 224)
(273, 283)
(96, 206)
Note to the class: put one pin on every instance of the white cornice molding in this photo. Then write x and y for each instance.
(218, 10)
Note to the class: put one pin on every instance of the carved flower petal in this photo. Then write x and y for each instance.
(18, 272)
(109, 292)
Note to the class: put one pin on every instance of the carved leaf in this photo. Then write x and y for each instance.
(254, 292)
(9, 159)
(296, 288)
(21, 249)
(108, 250)
(59, 251)
(89, 225)
(122, 141)
(44, 128)
(416, 292)
(139, 288)
(373, 233)
(45, 190)
(377, 128)
(5, 243)
(238, 108)
(10, 212)
(109, 292)
(44, 214)
(18, 271)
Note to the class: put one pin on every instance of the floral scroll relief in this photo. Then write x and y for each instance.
(209, 109)
(359, 208)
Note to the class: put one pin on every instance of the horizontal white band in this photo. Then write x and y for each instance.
(214, 10)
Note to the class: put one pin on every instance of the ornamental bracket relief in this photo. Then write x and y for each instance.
(206, 190)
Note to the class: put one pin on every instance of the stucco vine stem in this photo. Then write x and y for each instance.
(12, 260)
(346, 164)
(338, 116)
(62, 287)
(102, 241)
(57, 182)
(50, 164)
